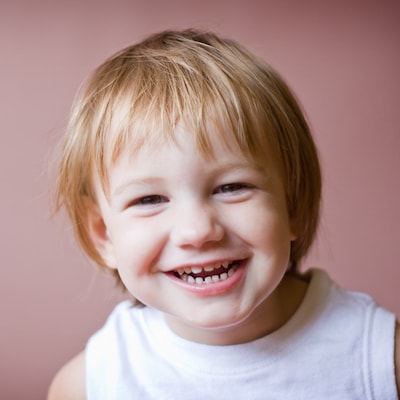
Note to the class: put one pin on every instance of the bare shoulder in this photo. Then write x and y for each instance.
(397, 357)
(69, 382)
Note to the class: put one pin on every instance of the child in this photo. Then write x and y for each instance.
(188, 170)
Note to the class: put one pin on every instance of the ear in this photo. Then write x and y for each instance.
(98, 233)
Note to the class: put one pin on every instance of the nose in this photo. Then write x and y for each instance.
(195, 226)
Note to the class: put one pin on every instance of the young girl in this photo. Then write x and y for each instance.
(189, 170)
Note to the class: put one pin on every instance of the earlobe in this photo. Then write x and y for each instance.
(293, 229)
(293, 233)
(99, 235)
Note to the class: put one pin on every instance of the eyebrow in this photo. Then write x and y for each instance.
(134, 182)
(151, 180)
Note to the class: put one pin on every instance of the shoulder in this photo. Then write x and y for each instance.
(397, 356)
(69, 382)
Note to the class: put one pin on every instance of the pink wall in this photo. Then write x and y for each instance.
(341, 59)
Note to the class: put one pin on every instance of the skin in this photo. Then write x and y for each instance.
(171, 208)
(183, 210)
(69, 383)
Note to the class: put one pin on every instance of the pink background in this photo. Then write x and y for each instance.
(342, 59)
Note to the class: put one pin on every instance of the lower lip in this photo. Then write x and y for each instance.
(215, 288)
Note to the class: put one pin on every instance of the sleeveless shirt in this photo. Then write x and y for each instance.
(338, 345)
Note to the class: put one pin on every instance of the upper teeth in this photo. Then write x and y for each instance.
(198, 270)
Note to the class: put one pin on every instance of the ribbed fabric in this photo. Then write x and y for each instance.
(338, 345)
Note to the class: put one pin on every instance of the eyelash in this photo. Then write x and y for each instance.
(231, 187)
(150, 200)
(155, 199)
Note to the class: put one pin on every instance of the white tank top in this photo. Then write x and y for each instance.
(338, 345)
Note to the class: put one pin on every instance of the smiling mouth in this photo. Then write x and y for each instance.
(207, 274)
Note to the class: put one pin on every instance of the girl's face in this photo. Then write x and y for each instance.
(206, 240)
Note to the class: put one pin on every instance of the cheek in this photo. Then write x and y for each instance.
(137, 246)
(259, 224)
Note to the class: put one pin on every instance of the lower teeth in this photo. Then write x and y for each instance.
(209, 279)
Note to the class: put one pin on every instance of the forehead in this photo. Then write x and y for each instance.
(179, 166)
(179, 156)
(211, 141)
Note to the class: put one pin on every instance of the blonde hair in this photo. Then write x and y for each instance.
(214, 86)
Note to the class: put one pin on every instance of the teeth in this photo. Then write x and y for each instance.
(198, 270)
(223, 276)
(185, 273)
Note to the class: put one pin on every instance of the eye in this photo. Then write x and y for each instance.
(231, 187)
(150, 200)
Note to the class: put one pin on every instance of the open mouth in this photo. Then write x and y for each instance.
(207, 274)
